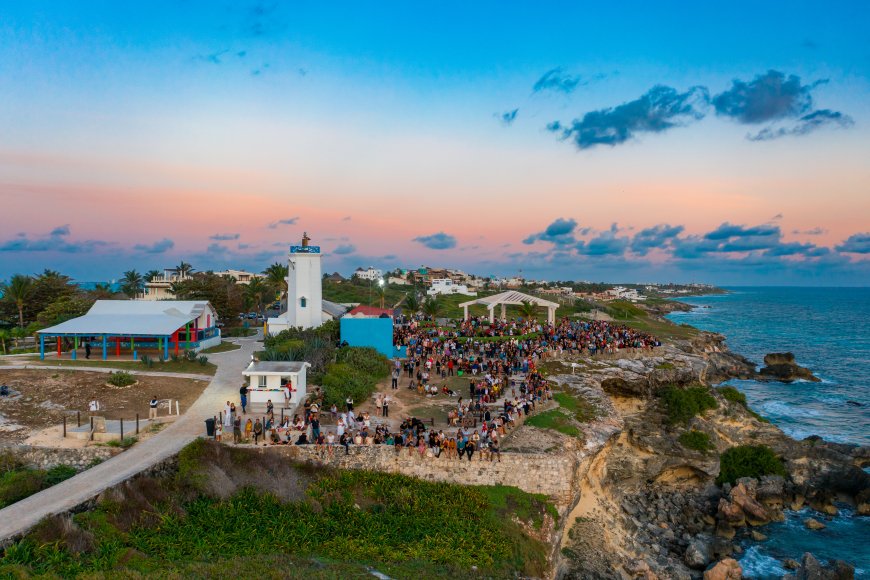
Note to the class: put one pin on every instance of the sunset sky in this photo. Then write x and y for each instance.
(721, 143)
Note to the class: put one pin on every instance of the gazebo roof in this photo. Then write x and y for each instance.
(510, 297)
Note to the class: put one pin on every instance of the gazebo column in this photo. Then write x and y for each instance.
(503, 312)
(105, 347)
(465, 312)
(41, 347)
(133, 347)
(166, 348)
(118, 346)
(551, 314)
(187, 335)
(58, 347)
(176, 341)
(492, 314)
(73, 354)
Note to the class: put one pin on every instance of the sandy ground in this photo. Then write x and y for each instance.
(46, 396)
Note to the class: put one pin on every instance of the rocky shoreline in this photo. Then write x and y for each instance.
(650, 508)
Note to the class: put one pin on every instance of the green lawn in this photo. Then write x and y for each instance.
(224, 346)
(182, 366)
(556, 420)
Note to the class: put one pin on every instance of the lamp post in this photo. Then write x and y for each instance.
(381, 286)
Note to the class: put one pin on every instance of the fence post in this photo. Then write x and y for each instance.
(122, 429)
(177, 412)
(92, 427)
(64, 427)
(78, 418)
(137, 423)
(221, 417)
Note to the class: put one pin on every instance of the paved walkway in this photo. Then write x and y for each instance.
(23, 515)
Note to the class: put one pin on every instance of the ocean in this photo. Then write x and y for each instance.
(828, 330)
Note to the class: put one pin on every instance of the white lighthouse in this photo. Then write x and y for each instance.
(304, 290)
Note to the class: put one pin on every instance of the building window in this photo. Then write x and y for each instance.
(303, 301)
(261, 381)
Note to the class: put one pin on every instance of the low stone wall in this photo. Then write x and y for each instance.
(549, 474)
(48, 457)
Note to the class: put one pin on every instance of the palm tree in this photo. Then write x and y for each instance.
(276, 276)
(132, 283)
(529, 310)
(432, 307)
(255, 290)
(102, 290)
(412, 303)
(151, 274)
(184, 269)
(18, 290)
(4, 336)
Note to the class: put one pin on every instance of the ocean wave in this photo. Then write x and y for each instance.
(756, 564)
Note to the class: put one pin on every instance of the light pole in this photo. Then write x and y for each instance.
(381, 286)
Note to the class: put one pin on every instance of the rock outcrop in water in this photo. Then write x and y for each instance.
(811, 569)
(780, 366)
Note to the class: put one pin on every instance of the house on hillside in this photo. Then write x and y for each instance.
(368, 274)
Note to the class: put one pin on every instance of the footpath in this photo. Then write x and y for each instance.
(21, 516)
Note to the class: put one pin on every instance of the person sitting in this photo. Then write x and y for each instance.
(302, 440)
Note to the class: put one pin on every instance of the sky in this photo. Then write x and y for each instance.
(633, 142)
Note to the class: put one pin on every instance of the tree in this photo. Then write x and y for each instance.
(224, 295)
(101, 291)
(528, 310)
(132, 283)
(66, 308)
(432, 307)
(4, 336)
(276, 276)
(18, 290)
(412, 303)
(255, 290)
(184, 269)
(151, 274)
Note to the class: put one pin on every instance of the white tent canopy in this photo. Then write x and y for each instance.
(513, 298)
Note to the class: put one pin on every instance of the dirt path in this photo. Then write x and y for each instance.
(20, 517)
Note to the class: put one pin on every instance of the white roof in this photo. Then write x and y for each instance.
(274, 368)
(510, 297)
(132, 318)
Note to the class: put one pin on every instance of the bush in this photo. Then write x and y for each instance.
(147, 360)
(732, 395)
(57, 474)
(121, 379)
(124, 443)
(202, 360)
(748, 461)
(354, 374)
(683, 404)
(190, 355)
(174, 358)
(697, 440)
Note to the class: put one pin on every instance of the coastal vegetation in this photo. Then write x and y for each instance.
(224, 346)
(732, 395)
(121, 379)
(18, 481)
(402, 527)
(573, 411)
(696, 440)
(555, 420)
(748, 461)
(681, 404)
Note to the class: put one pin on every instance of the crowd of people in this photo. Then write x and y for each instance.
(504, 384)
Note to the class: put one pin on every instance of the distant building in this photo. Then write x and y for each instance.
(622, 293)
(335, 278)
(160, 287)
(240, 276)
(398, 281)
(447, 286)
(368, 274)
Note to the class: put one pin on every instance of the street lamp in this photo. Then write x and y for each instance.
(381, 286)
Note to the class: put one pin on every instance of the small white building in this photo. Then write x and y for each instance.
(622, 293)
(240, 276)
(448, 286)
(368, 274)
(270, 381)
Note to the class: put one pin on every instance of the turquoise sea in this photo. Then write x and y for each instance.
(828, 330)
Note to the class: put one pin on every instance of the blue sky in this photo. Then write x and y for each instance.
(447, 134)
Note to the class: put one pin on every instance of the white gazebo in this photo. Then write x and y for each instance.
(511, 297)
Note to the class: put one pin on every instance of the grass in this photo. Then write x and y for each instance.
(683, 404)
(582, 410)
(665, 366)
(121, 379)
(555, 420)
(341, 522)
(239, 331)
(224, 346)
(124, 443)
(748, 461)
(696, 440)
(732, 395)
(180, 366)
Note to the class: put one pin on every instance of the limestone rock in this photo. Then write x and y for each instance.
(758, 536)
(727, 569)
(814, 524)
(699, 553)
(780, 366)
(811, 569)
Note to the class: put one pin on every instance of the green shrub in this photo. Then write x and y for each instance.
(748, 461)
(190, 355)
(18, 484)
(683, 404)
(174, 358)
(366, 360)
(582, 410)
(121, 379)
(697, 440)
(57, 474)
(732, 395)
(556, 420)
(202, 360)
(147, 360)
(122, 443)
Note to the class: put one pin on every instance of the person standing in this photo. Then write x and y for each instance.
(395, 378)
(243, 395)
(87, 348)
(152, 407)
(386, 404)
(349, 403)
(237, 430)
